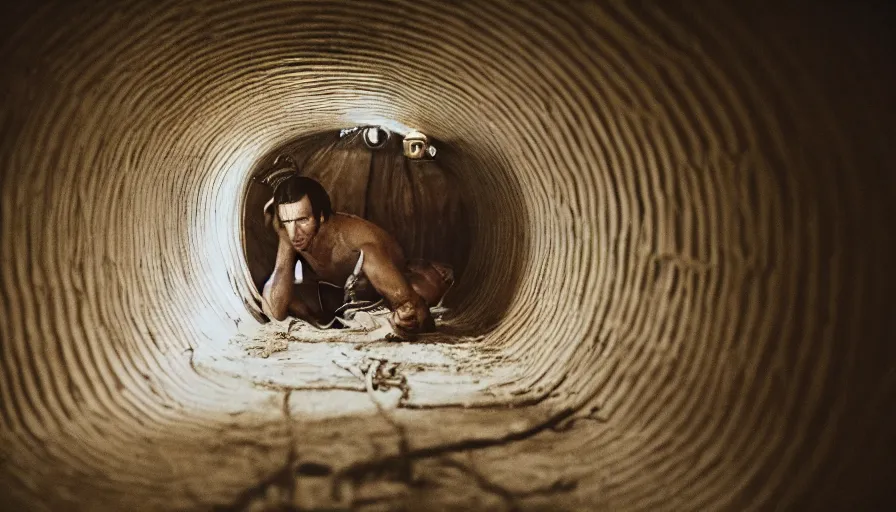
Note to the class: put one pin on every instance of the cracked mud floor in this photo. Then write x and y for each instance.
(436, 369)
(373, 424)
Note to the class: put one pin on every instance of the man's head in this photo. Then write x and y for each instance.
(302, 205)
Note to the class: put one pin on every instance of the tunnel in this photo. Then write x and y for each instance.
(677, 290)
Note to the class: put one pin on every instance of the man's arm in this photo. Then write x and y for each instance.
(409, 311)
(277, 291)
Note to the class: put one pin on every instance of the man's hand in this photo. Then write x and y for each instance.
(411, 317)
(409, 311)
(271, 218)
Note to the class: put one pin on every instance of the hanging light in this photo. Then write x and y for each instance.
(376, 137)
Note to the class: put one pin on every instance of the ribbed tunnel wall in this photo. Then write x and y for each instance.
(684, 207)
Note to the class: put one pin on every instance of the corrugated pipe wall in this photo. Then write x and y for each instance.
(683, 211)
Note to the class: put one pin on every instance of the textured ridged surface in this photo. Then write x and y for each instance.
(681, 213)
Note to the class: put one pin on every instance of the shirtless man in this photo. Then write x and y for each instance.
(339, 248)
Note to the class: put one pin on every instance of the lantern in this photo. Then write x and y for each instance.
(415, 144)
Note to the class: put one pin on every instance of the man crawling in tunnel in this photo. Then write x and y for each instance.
(330, 264)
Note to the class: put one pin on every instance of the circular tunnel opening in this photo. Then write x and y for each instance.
(418, 202)
(461, 211)
(425, 203)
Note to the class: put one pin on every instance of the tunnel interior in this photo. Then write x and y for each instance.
(423, 205)
(418, 202)
(675, 285)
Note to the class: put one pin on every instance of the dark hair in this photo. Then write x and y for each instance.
(293, 188)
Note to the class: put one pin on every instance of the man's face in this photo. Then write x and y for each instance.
(298, 219)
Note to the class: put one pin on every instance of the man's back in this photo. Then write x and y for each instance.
(336, 250)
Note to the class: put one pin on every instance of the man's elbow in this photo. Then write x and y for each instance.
(274, 314)
(273, 310)
(279, 315)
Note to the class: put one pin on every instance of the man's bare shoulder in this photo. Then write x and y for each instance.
(358, 232)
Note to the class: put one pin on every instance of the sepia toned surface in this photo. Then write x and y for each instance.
(681, 246)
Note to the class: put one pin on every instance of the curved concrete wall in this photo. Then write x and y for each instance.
(698, 238)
